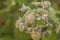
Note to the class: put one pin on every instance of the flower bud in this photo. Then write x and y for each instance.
(24, 8)
(46, 5)
(20, 25)
(44, 15)
(36, 35)
(47, 34)
(30, 19)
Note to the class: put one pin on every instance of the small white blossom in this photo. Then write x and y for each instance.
(46, 4)
(24, 8)
(36, 3)
(38, 18)
(45, 16)
(20, 25)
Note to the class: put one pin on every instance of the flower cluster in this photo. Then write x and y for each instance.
(31, 21)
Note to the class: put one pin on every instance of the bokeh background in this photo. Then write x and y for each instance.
(8, 15)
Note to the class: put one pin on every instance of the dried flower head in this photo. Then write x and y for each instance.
(46, 4)
(47, 34)
(36, 35)
(20, 25)
(30, 18)
(44, 15)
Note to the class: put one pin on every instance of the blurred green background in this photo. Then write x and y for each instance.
(8, 15)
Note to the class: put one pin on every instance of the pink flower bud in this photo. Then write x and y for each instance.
(30, 19)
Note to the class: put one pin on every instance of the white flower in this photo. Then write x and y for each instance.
(24, 8)
(45, 16)
(20, 25)
(36, 3)
(46, 4)
(38, 18)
